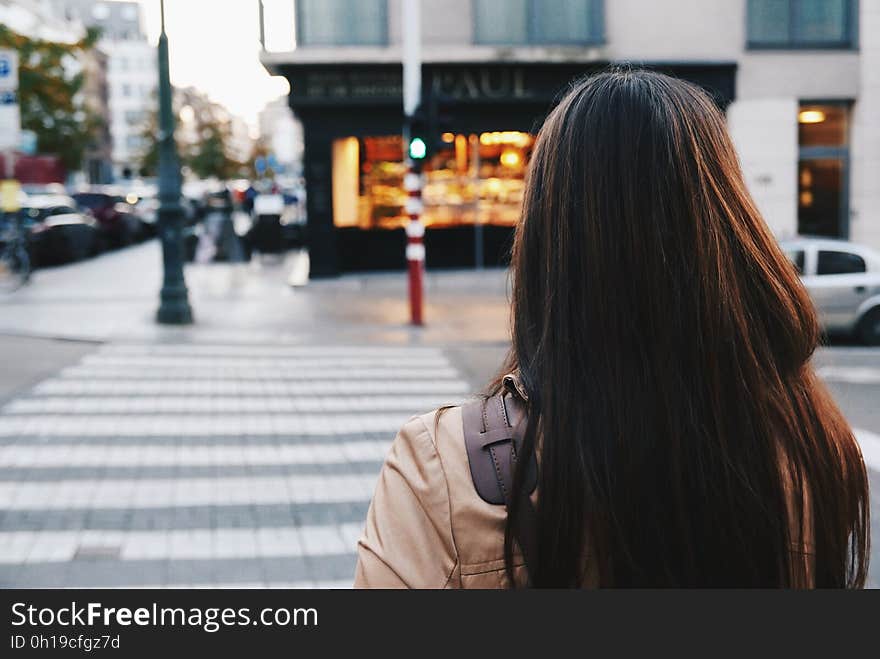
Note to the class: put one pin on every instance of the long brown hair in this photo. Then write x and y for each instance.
(664, 342)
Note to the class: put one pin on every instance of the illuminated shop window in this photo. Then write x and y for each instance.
(471, 179)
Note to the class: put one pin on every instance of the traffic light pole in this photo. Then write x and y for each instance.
(412, 91)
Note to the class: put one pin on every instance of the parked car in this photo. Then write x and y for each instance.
(57, 232)
(843, 279)
(116, 218)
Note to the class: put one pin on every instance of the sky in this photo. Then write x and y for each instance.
(215, 46)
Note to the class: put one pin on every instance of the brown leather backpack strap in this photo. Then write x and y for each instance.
(493, 433)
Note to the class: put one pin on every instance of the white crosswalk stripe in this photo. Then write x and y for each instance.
(154, 455)
(189, 544)
(164, 492)
(109, 470)
(218, 404)
(231, 387)
(197, 425)
(241, 372)
(850, 374)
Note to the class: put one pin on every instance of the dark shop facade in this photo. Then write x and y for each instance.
(481, 121)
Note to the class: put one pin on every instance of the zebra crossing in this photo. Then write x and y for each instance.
(175, 465)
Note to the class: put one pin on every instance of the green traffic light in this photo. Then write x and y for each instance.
(417, 148)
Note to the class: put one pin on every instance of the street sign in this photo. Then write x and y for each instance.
(28, 144)
(8, 70)
(10, 118)
(10, 196)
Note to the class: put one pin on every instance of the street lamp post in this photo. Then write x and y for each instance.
(174, 306)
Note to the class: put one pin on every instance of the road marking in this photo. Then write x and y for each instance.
(72, 495)
(186, 544)
(196, 425)
(424, 364)
(220, 404)
(213, 387)
(263, 374)
(147, 456)
(274, 351)
(850, 374)
(870, 445)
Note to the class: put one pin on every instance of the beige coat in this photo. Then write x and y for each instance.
(427, 527)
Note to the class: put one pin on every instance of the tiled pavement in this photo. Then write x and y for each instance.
(204, 465)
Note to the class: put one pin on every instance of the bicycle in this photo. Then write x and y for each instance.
(15, 262)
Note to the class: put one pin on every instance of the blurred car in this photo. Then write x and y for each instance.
(37, 189)
(116, 218)
(843, 279)
(142, 196)
(57, 232)
(147, 209)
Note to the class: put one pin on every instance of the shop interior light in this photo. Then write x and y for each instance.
(511, 137)
(449, 138)
(510, 158)
(811, 116)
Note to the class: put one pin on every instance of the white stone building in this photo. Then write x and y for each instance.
(132, 71)
(282, 133)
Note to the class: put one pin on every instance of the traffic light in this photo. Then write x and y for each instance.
(419, 141)
(417, 148)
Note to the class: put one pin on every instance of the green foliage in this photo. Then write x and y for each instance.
(206, 155)
(50, 97)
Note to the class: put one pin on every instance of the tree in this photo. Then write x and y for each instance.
(50, 94)
(208, 156)
(202, 145)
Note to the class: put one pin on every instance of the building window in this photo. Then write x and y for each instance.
(101, 12)
(472, 179)
(341, 22)
(802, 23)
(823, 169)
(515, 22)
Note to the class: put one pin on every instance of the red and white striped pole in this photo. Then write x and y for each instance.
(412, 93)
(415, 245)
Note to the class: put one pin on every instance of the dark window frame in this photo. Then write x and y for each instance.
(840, 152)
(820, 252)
(798, 258)
(850, 39)
(597, 38)
(383, 22)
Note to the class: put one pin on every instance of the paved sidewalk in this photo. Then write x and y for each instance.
(115, 296)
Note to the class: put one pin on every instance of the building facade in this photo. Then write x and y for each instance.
(282, 134)
(36, 19)
(132, 76)
(798, 80)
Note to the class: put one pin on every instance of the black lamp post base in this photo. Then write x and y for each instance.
(174, 308)
(177, 315)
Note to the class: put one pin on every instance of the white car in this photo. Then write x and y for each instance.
(843, 279)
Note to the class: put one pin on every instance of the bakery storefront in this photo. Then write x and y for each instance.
(484, 117)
